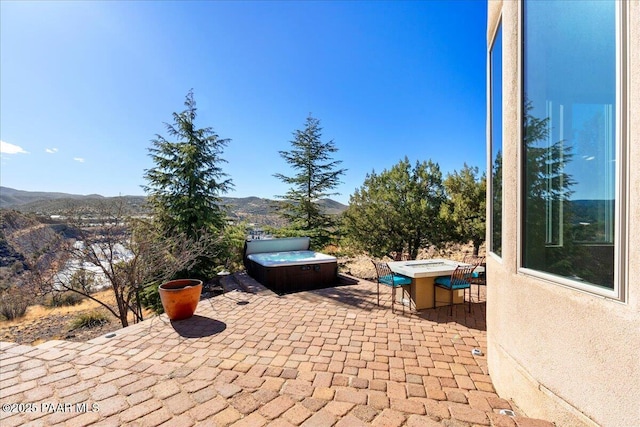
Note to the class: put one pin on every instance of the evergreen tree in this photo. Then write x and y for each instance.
(397, 211)
(466, 206)
(317, 174)
(185, 184)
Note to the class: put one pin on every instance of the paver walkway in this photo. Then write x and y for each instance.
(323, 358)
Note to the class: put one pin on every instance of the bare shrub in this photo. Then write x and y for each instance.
(13, 303)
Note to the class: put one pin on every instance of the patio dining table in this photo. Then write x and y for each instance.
(422, 274)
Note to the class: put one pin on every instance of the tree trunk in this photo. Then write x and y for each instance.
(124, 320)
(476, 247)
(123, 310)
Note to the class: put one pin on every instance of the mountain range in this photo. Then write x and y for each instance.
(250, 209)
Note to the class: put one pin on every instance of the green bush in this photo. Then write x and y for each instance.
(13, 303)
(150, 298)
(92, 319)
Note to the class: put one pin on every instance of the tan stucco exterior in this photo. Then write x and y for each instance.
(559, 353)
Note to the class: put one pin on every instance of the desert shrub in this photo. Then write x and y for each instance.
(17, 267)
(231, 248)
(13, 303)
(150, 298)
(343, 249)
(64, 299)
(91, 319)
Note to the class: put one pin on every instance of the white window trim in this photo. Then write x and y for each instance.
(619, 293)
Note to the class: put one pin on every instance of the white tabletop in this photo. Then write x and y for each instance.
(424, 267)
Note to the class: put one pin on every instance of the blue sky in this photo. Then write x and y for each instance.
(85, 86)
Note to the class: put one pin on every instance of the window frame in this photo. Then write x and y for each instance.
(621, 213)
(490, 134)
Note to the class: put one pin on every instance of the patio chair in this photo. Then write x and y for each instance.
(389, 278)
(459, 279)
(479, 275)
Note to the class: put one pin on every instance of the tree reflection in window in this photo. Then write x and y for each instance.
(556, 238)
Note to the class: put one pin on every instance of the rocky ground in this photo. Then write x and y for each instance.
(52, 326)
(42, 324)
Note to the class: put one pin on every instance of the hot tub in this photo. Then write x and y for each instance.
(287, 265)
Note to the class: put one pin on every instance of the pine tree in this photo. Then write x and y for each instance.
(317, 174)
(185, 184)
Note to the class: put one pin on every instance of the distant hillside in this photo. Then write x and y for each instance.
(591, 211)
(263, 211)
(248, 209)
(257, 205)
(132, 205)
(10, 197)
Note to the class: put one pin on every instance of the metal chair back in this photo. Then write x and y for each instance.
(479, 276)
(462, 274)
(459, 280)
(383, 272)
(387, 277)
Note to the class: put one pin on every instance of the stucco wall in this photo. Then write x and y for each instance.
(562, 354)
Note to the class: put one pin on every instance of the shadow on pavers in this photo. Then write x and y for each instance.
(198, 327)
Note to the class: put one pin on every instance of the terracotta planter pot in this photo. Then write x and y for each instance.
(180, 297)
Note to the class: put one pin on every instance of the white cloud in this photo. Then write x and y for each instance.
(79, 159)
(51, 150)
(7, 148)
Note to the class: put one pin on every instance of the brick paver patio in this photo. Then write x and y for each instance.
(323, 358)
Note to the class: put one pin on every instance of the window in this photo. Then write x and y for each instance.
(496, 142)
(570, 140)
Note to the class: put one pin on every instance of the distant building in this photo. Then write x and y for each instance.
(563, 203)
(256, 233)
